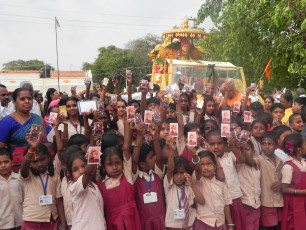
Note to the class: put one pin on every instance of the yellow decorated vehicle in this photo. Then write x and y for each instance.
(177, 57)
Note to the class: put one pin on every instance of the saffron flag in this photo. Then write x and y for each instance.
(268, 69)
(57, 23)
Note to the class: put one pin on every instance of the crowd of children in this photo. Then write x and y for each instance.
(170, 161)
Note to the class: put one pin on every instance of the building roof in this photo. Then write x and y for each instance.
(63, 74)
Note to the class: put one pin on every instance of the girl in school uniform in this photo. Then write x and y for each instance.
(249, 178)
(215, 213)
(87, 202)
(228, 158)
(43, 204)
(294, 184)
(117, 186)
(180, 192)
(258, 128)
(147, 169)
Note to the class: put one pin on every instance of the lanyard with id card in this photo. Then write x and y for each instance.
(45, 199)
(149, 197)
(179, 214)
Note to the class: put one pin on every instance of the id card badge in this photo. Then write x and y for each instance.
(45, 200)
(150, 197)
(179, 214)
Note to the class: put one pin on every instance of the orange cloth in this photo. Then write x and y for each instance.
(230, 102)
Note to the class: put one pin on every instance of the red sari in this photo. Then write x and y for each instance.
(152, 215)
(120, 207)
(294, 211)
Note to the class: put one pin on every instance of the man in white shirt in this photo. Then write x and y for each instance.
(4, 101)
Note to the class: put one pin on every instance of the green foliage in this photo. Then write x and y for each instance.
(26, 65)
(112, 60)
(249, 33)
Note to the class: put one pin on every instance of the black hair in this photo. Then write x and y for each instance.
(67, 152)
(76, 155)
(91, 95)
(293, 116)
(148, 79)
(184, 94)
(300, 100)
(287, 96)
(250, 143)
(110, 138)
(202, 126)
(156, 87)
(122, 101)
(63, 101)
(189, 126)
(172, 106)
(297, 139)
(18, 91)
(181, 162)
(77, 139)
(170, 120)
(266, 117)
(269, 97)
(270, 135)
(303, 114)
(207, 99)
(277, 105)
(144, 151)
(237, 120)
(214, 133)
(257, 106)
(153, 100)
(50, 108)
(3, 86)
(279, 130)
(49, 92)
(6, 152)
(208, 154)
(109, 152)
(80, 117)
(260, 122)
(42, 149)
(135, 101)
(36, 94)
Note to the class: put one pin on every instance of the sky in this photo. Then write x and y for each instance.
(27, 27)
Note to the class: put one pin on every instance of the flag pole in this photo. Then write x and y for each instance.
(57, 55)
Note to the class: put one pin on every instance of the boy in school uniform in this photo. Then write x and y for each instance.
(11, 193)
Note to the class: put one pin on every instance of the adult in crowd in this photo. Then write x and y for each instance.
(40, 100)
(4, 100)
(15, 126)
(301, 92)
(286, 99)
(35, 106)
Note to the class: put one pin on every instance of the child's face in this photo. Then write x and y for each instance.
(296, 108)
(136, 106)
(41, 162)
(253, 113)
(5, 165)
(152, 106)
(209, 126)
(210, 107)
(278, 114)
(121, 108)
(268, 146)
(55, 110)
(77, 168)
(84, 147)
(178, 177)
(72, 108)
(208, 167)
(164, 130)
(248, 150)
(171, 113)
(297, 124)
(149, 163)
(283, 135)
(258, 130)
(303, 148)
(113, 166)
(184, 102)
(216, 145)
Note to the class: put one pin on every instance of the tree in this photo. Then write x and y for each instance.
(26, 65)
(248, 33)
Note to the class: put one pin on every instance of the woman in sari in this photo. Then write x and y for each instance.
(15, 126)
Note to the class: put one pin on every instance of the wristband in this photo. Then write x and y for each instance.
(197, 161)
(179, 112)
(229, 225)
(294, 191)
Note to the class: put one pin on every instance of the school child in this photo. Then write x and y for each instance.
(208, 111)
(270, 169)
(215, 213)
(294, 184)
(208, 126)
(148, 170)
(298, 104)
(11, 193)
(117, 186)
(296, 123)
(43, 203)
(258, 128)
(188, 116)
(171, 111)
(228, 159)
(281, 132)
(249, 178)
(180, 192)
(278, 112)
